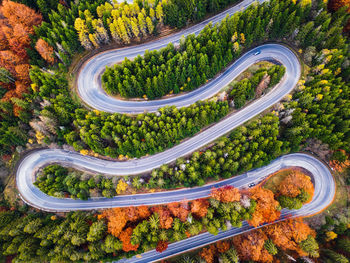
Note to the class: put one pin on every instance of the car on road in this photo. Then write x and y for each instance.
(251, 185)
(257, 53)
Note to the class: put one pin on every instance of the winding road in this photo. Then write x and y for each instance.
(90, 90)
(89, 77)
(31, 163)
(323, 197)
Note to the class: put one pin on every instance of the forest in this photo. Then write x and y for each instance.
(170, 70)
(178, 13)
(291, 238)
(57, 181)
(40, 39)
(229, 157)
(122, 232)
(267, 244)
(255, 86)
(60, 111)
(87, 138)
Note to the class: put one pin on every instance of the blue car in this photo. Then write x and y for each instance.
(257, 53)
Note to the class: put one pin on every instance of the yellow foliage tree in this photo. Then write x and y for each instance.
(330, 235)
(84, 152)
(242, 38)
(121, 187)
(234, 37)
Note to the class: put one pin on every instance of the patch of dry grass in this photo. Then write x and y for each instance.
(275, 180)
(341, 201)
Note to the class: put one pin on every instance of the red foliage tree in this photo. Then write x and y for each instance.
(17, 21)
(161, 246)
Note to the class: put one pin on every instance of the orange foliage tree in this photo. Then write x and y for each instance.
(17, 21)
(179, 210)
(288, 234)
(20, 14)
(250, 246)
(208, 253)
(125, 238)
(135, 213)
(340, 166)
(118, 217)
(226, 194)
(45, 50)
(266, 209)
(334, 5)
(165, 219)
(285, 235)
(199, 207)
(223, 246)
(295, 182)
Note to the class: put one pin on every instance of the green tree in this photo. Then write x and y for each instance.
(270, 247)
(334, 256)
(310, 246)
(97, 231)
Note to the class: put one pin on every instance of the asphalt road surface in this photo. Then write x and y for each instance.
(89, 82)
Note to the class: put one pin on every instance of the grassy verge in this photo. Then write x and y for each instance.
(341, 201)
(275, 180)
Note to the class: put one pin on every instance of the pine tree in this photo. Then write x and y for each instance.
(97, 231)
(150, 26)
(6, 76)
(123, 34)
(334, 256)
(82, 30)
(232, 255)
(159, 13)
(310, 246)
(142, 23)
(135, 29)
(270, 247)
(344, 244)
(33, 226)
